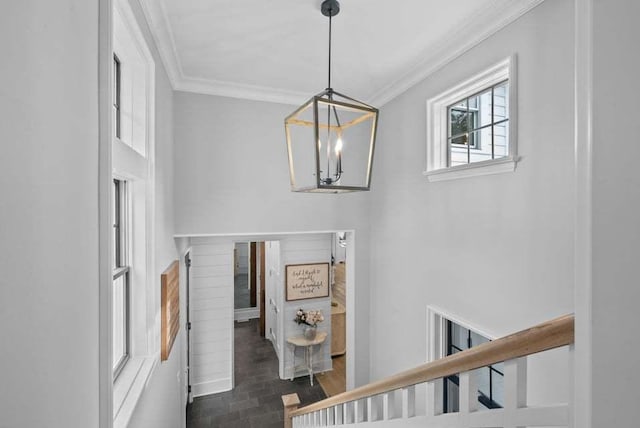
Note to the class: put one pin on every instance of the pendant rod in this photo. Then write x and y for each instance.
(329, 74)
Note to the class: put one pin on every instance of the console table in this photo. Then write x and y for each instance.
(302, 342)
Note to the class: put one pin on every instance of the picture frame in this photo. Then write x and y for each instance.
(306, 281)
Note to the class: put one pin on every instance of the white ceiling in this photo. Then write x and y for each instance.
(276, 50)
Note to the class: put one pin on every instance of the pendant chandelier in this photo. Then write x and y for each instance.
(331, 137)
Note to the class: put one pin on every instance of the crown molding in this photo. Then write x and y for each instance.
(500, 14)
(156, 16)
(481, 27)
(237, 90)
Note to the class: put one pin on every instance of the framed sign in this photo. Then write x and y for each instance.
(170, 308)
(308, 281)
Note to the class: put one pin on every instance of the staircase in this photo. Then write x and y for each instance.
(392, 402)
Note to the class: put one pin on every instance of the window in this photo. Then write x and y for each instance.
(471, 127)
(117, 89)
(490, 379)
(135, 343)
(121, 295)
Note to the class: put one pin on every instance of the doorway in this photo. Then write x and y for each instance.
(248, 280)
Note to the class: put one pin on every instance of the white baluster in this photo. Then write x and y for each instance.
(358, 411)
(387, 406)
(515, 389)
(434, 397)
(345, 413)
(371, 416)
(409, 402)
(337, 414)
(468, 396)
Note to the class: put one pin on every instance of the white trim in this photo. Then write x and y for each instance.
(478, 28)
(437, 149)
(241, 91)
(156, 17)
(105, 272)
(494, 166)
(583, 146)
(246, 314)
(443, 313)
(207, 388)
(129, 387)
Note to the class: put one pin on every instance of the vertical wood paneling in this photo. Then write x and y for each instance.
(211, 309)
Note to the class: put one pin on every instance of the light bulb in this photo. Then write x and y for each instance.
(338, 146)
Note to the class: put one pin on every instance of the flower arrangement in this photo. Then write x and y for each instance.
(310, 318)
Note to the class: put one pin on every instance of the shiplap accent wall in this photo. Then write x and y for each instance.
(211, 306)
(297, 249)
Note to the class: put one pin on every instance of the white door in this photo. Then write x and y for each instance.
(272, 293)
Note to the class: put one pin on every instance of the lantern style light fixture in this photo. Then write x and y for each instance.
(331, 138)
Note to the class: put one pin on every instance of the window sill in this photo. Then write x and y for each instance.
(495, 166)
(128, 388)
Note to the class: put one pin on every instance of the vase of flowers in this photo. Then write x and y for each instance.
(310, 320)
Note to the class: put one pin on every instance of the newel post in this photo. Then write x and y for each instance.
(290, 403)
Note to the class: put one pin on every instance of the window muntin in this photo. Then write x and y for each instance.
(120, 285)
(477, 126)
(490, 379)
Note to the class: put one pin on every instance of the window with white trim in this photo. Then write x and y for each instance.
(134, 323)
(471, 127)
(121, 333)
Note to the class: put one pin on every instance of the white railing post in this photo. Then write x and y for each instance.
(468, 397)
(409, 402)
(515, 389)
(371, 415)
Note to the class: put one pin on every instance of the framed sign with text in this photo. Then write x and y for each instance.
(307, 281)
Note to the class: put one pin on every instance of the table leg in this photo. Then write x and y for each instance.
(310, 348)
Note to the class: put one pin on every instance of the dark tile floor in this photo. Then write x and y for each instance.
(256, 400)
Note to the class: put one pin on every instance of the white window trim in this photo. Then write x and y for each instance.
(437, 147)
(138, 170)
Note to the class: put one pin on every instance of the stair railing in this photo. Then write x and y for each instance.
(375, 402)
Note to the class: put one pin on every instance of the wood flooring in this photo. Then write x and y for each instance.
(335, 381)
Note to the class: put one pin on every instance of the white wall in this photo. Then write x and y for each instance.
(162, 402)
(300, 249)
(49, 214)
(494, 250)
(616, 210)
(232, 175)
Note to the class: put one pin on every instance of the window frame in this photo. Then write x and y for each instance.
(121, 267)
(437, 153)
(450, 349)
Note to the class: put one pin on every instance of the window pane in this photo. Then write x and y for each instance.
(481, 150)
(119, 320)
(114, 217)
(498, 384)
(459, 121)
(501, 102)
(458, 156)
(501, 140)
(481, 106)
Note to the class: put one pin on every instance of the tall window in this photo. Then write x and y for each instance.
(490, 379)
(121, 293)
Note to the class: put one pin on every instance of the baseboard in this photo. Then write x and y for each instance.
(214, 387)
(246, 314)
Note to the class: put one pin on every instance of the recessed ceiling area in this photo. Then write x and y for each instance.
(277, 50)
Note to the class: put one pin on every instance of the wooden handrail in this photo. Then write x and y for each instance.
(549, 335)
